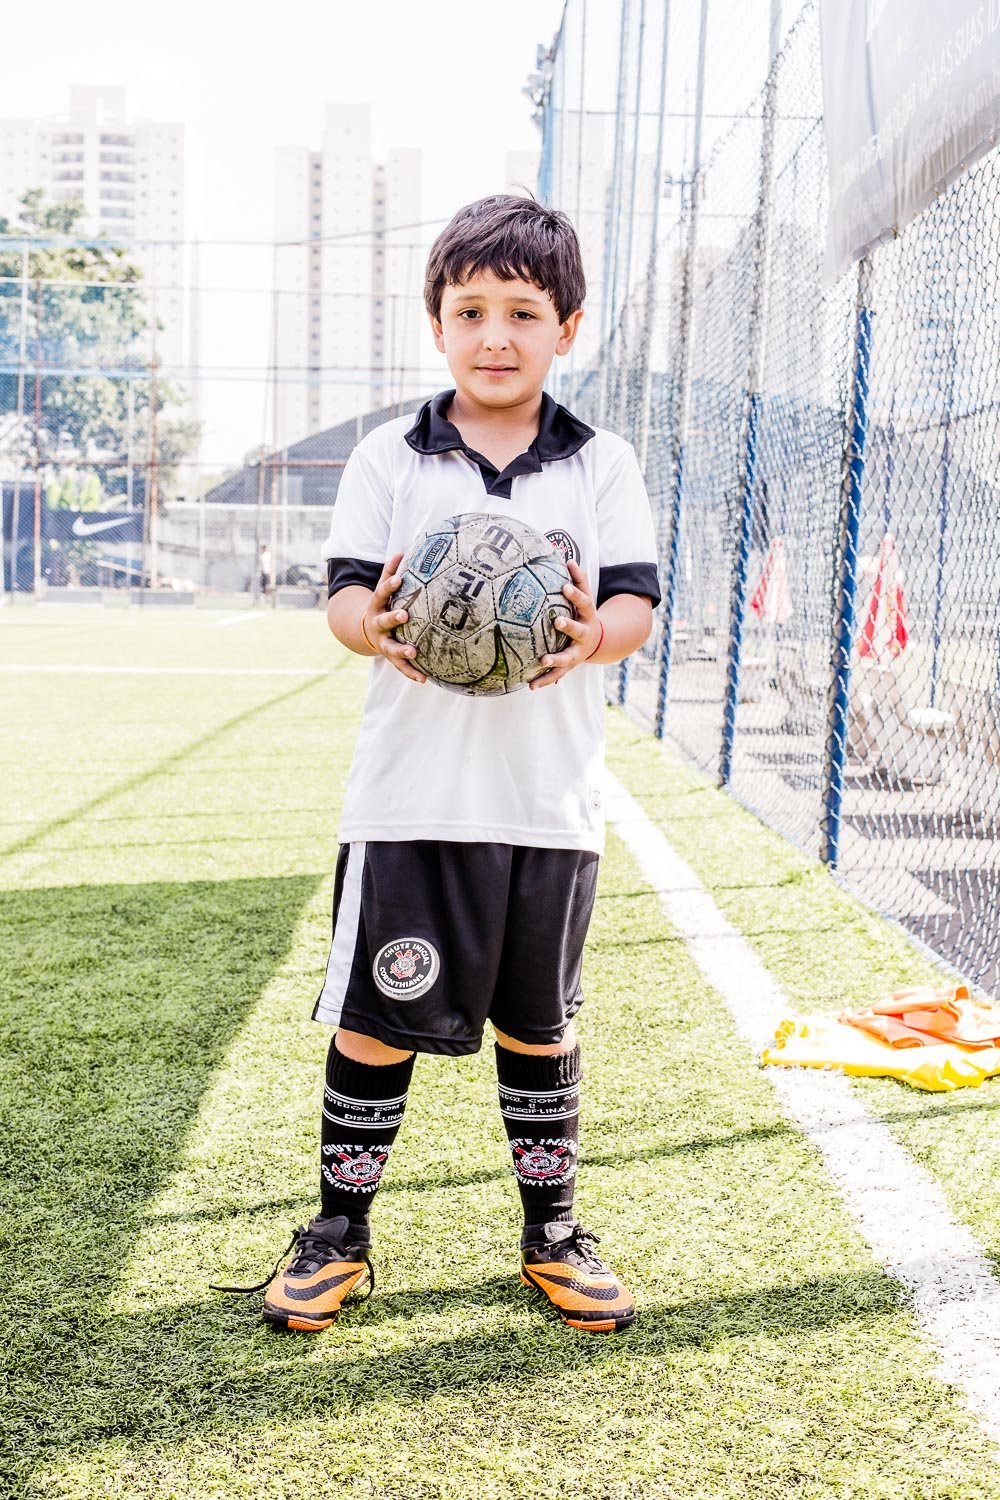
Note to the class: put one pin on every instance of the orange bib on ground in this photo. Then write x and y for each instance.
(932, 1038)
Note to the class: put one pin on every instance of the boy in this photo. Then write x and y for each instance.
(472, 828)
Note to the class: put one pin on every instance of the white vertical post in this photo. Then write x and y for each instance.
(15, 512)
(129, 472)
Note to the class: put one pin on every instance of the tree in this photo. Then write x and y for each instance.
(78, 329)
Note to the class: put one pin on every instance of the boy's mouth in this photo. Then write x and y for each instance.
(496, 369)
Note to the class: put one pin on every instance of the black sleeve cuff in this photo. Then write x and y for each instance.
(341, 572)
(628, 578)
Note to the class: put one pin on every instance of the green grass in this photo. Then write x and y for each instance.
(166, 894)
(828, 952)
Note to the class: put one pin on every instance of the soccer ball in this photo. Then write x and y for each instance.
(482, 592)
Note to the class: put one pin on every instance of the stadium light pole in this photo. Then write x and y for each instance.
(684, 359)
(612, 215)
(646, 366)
(633, 185)
(623, 670)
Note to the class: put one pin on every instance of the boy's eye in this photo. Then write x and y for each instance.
(469, 313)
(522, 314)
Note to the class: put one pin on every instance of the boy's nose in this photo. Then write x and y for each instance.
(495, 338)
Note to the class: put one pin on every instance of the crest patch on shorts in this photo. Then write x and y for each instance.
(406, 968)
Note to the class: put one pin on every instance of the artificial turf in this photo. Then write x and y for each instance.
(828, 952)
(166, 889)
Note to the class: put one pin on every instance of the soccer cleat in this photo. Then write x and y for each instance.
(558, 1261)
(327, 1264)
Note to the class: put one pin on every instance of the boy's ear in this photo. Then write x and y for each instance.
(438, 332)
(568, 332)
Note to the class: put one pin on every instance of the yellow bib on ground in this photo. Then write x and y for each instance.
(910, 1035)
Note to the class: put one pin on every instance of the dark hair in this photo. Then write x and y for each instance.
(516, 239)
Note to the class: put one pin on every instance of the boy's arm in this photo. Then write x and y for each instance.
(361, 621)
(599, 636)
(627, 621)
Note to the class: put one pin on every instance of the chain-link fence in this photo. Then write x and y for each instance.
(821, 459)
(180, 422)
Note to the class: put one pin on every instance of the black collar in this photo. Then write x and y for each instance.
(560, 435)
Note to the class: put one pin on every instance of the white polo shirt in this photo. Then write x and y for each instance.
(521, 768)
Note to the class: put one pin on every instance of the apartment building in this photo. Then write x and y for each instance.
(129, 175)
(350, 324)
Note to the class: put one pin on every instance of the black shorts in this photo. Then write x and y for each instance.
(432, 939)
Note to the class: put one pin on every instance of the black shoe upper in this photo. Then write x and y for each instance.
(323, 1240)
(570, 1243)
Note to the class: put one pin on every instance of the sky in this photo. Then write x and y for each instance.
(441, 75)
(438, 74)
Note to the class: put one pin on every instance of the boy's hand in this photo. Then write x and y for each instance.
(378, 623)
(584, 632)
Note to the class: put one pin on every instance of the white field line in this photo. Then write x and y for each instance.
(243, 618)
(897, 1205)
(174, 671)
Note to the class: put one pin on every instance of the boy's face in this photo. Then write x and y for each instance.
(499, 338)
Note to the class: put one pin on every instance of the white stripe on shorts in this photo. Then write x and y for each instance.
(338, 970)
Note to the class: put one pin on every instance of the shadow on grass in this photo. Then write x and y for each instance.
(168, 763)
(118, 1005)
(209, 1368)
(429, 1182)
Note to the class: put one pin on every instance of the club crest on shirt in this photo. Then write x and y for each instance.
(543, 1161)
(406, 968)
(564, 543)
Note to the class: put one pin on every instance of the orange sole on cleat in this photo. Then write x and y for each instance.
(595, 1325)
(602, 1325)
(298, 1325)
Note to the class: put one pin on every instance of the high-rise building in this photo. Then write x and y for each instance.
(349, 319)
(129, 175)
(581, 182)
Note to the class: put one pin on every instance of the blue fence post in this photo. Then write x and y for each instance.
(754, 410)
(943, 511)
(847, 580)
(670, 593)
(623, 676)
(738, 601)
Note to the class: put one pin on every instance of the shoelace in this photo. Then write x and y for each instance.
(581, 1243)
(307, 1243)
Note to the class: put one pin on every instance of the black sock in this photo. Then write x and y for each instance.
(363, 1107)
(540, 1104)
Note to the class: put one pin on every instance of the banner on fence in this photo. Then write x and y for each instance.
(911, 96)
(93, 525)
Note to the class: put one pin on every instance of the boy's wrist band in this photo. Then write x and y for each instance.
(364, 632)
(600, 642)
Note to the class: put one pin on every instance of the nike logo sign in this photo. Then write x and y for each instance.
(84, 528)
